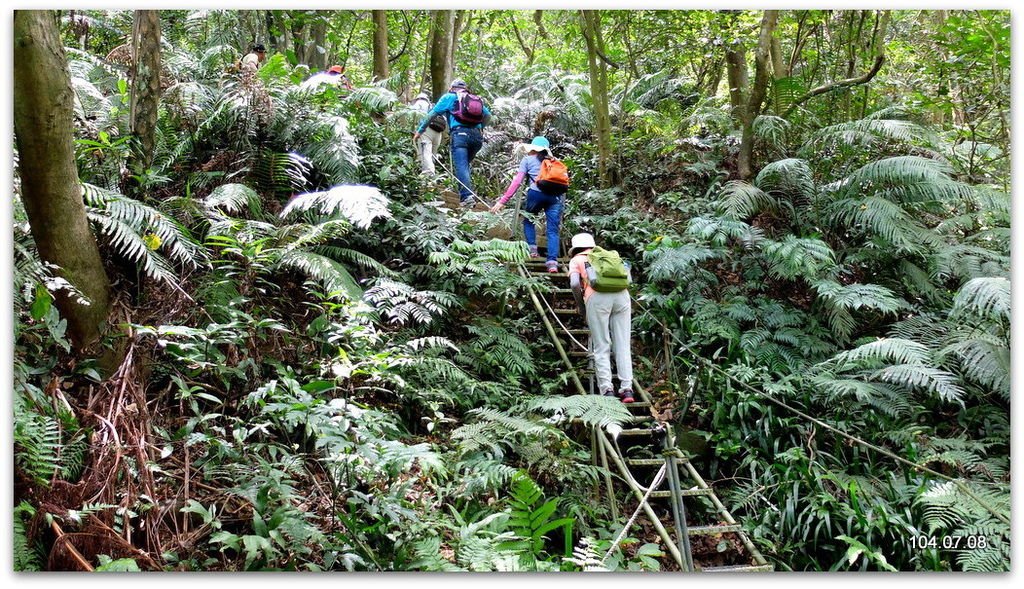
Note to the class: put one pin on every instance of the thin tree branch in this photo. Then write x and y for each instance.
(850, 82)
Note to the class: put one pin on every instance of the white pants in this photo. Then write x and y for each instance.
(426, 149)
(609, 316)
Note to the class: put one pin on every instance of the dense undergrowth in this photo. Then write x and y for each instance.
(324, 370)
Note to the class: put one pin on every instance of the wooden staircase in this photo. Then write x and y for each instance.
(693, 524)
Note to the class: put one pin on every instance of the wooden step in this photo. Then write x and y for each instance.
(552, 275)
(708, 530)
(738, 568)
(647, 461)
(683, 492)
(635, 432)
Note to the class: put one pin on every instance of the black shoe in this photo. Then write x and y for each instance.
(626, 395)
(608, 393)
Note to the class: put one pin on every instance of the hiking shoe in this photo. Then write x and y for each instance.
(533, 252)
(552, 267)
(626, 395)
(608, 393)
(468, 202)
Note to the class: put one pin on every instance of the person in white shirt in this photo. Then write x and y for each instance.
(256, 56)
(429, 141)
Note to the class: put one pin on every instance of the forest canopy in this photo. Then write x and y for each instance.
(253, 333)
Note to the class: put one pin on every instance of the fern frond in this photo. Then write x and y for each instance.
(795, 257)
(592, 410)
(359, 204)
(719, 230)
(895, 350)
(334, 277)
(128, 243)
(740, 200)
(934, 380)
(984, 297)
(791, 176)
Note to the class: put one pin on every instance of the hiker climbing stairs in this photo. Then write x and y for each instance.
(693, 524)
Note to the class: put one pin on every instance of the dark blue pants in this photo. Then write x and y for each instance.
(465, 143)
(537, 201)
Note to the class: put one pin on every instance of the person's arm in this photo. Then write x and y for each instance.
(443, 105)
(509, 192)
(524, 171)
(487, 117)
(576, 284)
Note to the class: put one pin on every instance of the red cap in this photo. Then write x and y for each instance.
(336, 69)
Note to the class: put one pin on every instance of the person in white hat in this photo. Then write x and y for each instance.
(536, 201)
(609, 317)
(428, 143)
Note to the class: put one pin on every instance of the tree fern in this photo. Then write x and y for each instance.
(884, 350)
(865, 132)
(718, 231)
(497, 349)
(403, 304)
(493, 429)
(932, 379)
(966, 262)
(984, 359)
(880, 216)
(137, 231)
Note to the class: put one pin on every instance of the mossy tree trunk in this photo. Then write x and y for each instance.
(747, 102)
(380, 45)
(145, 98)
(50, 188)
(591, 23)
(440, 52)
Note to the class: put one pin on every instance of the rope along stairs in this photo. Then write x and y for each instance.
(693, 524)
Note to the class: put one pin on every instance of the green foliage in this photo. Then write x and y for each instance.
(532, 519)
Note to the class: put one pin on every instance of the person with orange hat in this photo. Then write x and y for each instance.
(338, 73)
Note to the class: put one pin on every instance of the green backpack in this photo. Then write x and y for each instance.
(606, 271)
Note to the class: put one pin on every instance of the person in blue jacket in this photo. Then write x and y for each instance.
(466, 137)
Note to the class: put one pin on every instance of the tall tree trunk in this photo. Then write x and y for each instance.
(453, 47)
(736, 71)
(318, 52)
(298, 28)
(380, 44)
(750, 101)
(591, 22)
(145, 99)
(50, 189)
(268, 18)
(440, 52)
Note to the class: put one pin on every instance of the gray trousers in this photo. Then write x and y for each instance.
(609, 316)
(426, 148)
